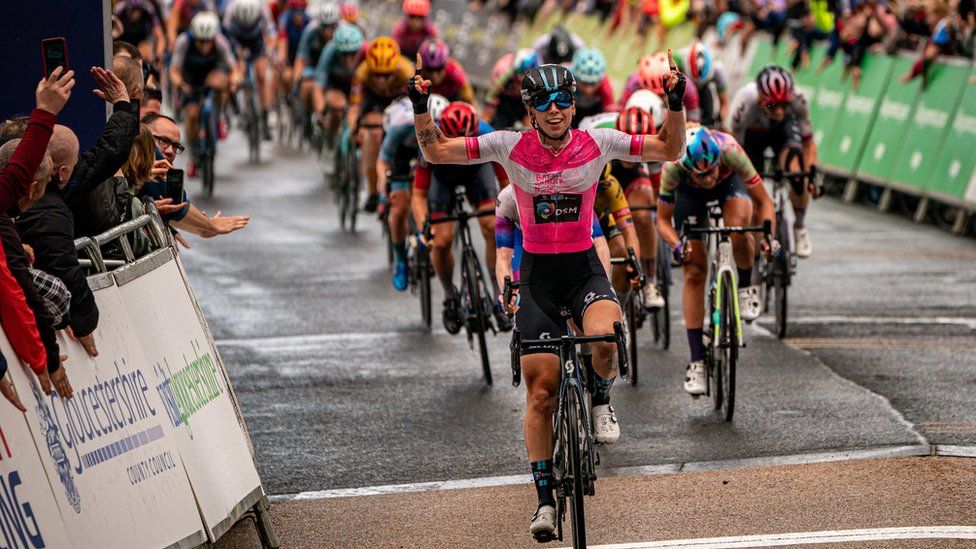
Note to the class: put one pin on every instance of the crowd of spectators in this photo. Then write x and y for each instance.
(850, 28)
(51, 193)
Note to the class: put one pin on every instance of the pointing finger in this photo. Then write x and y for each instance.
(420, 63)
(671, 61)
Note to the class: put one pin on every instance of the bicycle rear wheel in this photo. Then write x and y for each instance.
(573, 484)
(662, 316)
(252, 121)
(780, 293)
(476, 314)
(729, 348)
(633, 317)
(352, 185)
(424, 276)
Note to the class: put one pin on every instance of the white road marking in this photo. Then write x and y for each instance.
(797, 538)
(840, 319)
(510, 480)
(315, 338)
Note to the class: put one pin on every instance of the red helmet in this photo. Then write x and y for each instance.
(460, 119)
(349, 12)
(774, 84)
(651, 69)
(635, 121)
(420, 8)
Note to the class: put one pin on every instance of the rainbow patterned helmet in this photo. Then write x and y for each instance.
(702, 152)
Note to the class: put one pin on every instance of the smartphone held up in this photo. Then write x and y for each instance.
(54, 52)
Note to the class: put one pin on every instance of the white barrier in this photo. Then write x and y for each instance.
(150, 452)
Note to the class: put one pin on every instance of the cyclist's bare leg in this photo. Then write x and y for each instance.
(191, 128)
(693, 292)
(646, 232)
(598, 319)
(441, 257)
(737, 212)
(541, 373)
(399, 206)
(619, 272)
(371, 139)
(219, 82)
(265, 85)
(306, 91)
(335, 105)
(799, 201)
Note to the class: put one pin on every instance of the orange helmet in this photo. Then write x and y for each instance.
(650, 71)
(383, 55)
(420, 8)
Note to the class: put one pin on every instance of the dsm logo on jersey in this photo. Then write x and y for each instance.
(557, 208)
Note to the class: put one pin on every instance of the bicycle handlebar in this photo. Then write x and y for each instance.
(507, 294)
(616, 337)
(631, 260)
(766, 229)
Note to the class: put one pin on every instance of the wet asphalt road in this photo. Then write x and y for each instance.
(341, 388)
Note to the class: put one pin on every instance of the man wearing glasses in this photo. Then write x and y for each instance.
(554, 171)
(773, 113)
(184, 216)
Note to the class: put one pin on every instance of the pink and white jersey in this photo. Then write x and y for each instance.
(555, 190)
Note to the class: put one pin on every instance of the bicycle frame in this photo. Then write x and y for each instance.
(719, 248)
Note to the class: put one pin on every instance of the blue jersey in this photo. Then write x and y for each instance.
(288, 30)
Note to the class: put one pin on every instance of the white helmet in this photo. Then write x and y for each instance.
(436, 105)
(648, 101)
(601, 120)
(205, 25)
(247, 12)
(328, 13)
(399, 113)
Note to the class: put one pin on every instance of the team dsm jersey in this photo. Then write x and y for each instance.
(555, 190)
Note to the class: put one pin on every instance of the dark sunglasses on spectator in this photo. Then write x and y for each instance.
(165, 143)
(562, 99)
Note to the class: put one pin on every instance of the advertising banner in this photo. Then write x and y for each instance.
(930, 123)
(30, 514)
(888, 132)
(197, 413)
(826, 101)
(954, 176)
(842, 147)
(117, 479)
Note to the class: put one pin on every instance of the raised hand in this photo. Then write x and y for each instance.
(53, 92)
(674, 85)
(418, 89)
(110, 88)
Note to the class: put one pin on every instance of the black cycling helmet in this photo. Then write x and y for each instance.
(560, 48)
(548, 78)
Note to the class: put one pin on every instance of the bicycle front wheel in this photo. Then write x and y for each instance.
(573, 483)
(729, 348)
(477, 315)
(633, 317)
(424, 276)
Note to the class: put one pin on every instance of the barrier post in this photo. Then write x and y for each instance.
(269, 540)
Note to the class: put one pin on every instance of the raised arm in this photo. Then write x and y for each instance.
(669, 143)
(437, 148)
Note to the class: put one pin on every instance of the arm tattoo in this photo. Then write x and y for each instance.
(428, 136)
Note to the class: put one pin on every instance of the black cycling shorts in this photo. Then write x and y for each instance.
(778, 137)
(374, 103)
(691, 204)
(551, 283)
(479, 182)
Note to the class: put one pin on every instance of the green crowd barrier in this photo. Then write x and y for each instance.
(761, 57)
(843, 141)
(889, 130)
(919, 153)
(954, 178)
(826, 99)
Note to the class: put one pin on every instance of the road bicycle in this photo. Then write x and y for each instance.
(207, 143)
(251, 113)
(420, 272)
(634, 312)
(722, 330)
(778, 272)
(660, 317)
(476, 300)
(348, 180)
(574, 453)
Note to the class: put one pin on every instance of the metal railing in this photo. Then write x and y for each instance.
(90, 248)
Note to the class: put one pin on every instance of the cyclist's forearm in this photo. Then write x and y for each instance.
(810, 156)
(723, 107)
(503, 265)
(665, 225)
(631, 240)
(381, 175)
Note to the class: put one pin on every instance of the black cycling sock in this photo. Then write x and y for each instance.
(745, 277)
(801, 214)
(400, 252)
(447, 282)
(544, 481)
(695, 344)
(601, 392)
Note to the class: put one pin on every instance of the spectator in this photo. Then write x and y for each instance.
(166, 134)
(944, 39)
(48, 226)
(137, 171)
(152, 101)
(7, 387)
(23, 326)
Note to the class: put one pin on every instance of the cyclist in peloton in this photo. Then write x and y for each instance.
(316, 35)
(394, 170)
(411, 30)
(650, 68)
(705, 73)
(181, 13)
(595, 93)
(142, 25)
(291, 24)
(333, 77)
(503, 103)
(202, 60)
(714, 168)
(554, 171)
(773, 113)
(558, 47)
(378, 80)
(434, 192)
(446, 75)
(248, 26)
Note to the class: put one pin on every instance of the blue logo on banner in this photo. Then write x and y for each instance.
(56, 449)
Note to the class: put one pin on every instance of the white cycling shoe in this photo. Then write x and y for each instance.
(606, 430)
(652, 297)
(543, 525)
(750, 303)
(803, 246)
(696, 378)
